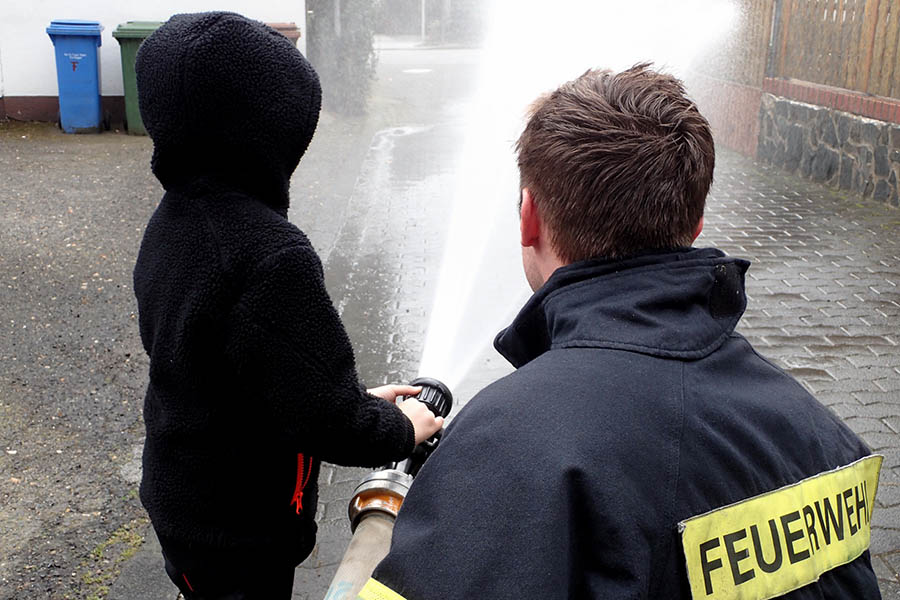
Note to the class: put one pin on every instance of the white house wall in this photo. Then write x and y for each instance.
(27, 63)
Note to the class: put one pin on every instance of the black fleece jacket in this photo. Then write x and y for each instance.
(252, 376)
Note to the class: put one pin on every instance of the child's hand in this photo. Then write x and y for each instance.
(423, 420)
(390, 392)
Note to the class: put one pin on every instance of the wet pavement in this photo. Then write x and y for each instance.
(375, 194)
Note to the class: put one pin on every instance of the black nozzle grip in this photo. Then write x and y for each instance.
(435, 395)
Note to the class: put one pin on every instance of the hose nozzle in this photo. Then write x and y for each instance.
(435, 395)
(384, 489)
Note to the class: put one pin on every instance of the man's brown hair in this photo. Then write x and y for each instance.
(617, 163)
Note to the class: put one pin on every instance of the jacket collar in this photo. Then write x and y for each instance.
(676, 304)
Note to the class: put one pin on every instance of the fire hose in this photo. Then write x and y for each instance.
(377, 500)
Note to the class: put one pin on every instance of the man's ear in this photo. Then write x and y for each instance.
(699, 229)
(529, 220)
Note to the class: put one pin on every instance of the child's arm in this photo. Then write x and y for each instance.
(293, 359)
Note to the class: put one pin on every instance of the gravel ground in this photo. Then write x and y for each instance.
(72, 370)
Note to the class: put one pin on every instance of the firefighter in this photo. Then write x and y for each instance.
(642, 448)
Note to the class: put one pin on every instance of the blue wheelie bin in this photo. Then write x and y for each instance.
(78, 73)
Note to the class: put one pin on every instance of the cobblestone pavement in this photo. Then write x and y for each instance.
(825, 304)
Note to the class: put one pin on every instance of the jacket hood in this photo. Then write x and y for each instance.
(228, 101)
(680, 304)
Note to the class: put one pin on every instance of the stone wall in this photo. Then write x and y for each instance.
(840, 149)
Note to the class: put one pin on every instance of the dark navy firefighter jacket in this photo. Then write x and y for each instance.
(634, 406)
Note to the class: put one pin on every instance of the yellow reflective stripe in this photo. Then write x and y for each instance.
(375, 590)
(771, 544)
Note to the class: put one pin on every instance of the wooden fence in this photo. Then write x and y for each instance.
(841, 54)
(850, 44)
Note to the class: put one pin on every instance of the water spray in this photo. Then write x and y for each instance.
(378, 498)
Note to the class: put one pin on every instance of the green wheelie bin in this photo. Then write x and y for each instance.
(130, 35)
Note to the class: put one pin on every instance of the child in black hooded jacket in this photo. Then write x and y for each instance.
(252, 376)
